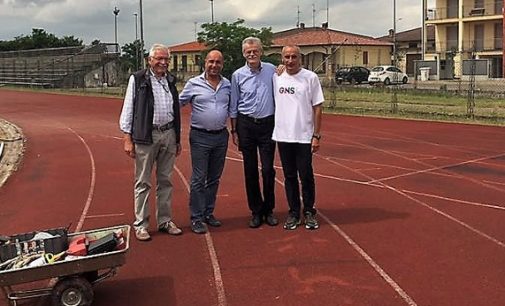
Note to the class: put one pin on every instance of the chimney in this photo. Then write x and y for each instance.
(302, 25)
(391, 32)
(324, 25)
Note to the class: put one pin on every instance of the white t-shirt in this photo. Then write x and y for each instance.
(295, 95)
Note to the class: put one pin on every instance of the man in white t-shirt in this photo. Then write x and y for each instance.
(298, 108)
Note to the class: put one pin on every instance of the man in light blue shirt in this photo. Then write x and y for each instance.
(252, 113)
(209, 95)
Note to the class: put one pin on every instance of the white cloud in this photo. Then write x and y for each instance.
(173, 21)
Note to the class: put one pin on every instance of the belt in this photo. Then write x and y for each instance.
(164, 127)
(208, 131)
(257, 120)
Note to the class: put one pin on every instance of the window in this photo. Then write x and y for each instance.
(185, 63)
(365, 57)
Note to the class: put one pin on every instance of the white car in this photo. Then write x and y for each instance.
(387, 75)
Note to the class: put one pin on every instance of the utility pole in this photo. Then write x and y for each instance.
(116, 12)
(136, 44)
(142, 37)
(212, 10)
(328, 13)
(394, 32)
(298, 17)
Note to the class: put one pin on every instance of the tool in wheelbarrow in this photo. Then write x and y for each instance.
(75, 275)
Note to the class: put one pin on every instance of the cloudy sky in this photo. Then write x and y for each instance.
(174, 21)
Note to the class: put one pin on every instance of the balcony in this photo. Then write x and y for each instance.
(483, 45)
(441, 13)
(488, 9)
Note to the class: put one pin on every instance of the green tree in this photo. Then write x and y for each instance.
(129, 57)
(227, 38)
(38, 39)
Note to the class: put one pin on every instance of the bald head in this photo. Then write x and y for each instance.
(214, 63)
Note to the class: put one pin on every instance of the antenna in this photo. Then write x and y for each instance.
(298, 17)
(196, 35)
(328, 12)
(313, 15)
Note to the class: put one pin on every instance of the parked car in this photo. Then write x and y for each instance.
(353, 75)
(387, 75)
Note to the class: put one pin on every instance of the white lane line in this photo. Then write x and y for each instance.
(105, 216)
(367, 257)
(218, 279)
(476, 231)
(370, 261)
(454, 200)
(91, 185)
(379, 185)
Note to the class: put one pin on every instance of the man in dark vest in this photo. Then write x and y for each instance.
(150, 120)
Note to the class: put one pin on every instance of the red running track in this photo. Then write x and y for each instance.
(411, 212)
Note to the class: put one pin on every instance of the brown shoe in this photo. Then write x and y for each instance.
(142, 234)
(170, 228)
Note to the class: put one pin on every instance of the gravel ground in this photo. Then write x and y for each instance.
(12, 138)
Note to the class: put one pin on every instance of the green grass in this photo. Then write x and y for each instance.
(414, 104)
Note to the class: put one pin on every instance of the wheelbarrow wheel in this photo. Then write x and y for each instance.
(72, 291)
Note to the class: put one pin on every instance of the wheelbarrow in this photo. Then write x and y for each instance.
(70, 282)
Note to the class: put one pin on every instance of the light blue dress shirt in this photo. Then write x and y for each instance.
(252, 91)
(210, 108)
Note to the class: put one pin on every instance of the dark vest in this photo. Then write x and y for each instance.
(143, 108)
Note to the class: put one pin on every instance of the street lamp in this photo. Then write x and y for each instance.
(116, 12)
(136, 44)
(142, 37)
(212, 10)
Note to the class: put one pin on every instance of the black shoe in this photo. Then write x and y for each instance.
(198, 227)
(292, 222)
(212, 221)
(256, 221)
(271, 220)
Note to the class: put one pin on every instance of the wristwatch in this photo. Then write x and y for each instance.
(316, 136)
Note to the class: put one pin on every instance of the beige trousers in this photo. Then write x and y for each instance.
(162, 152)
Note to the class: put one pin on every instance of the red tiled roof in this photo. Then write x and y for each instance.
(193, 46)
(410, 35)
(315, 36)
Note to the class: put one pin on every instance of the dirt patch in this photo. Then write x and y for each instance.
(11, 136)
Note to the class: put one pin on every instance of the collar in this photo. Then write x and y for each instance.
(251, 70)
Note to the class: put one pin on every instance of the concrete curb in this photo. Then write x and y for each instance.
(13, 149)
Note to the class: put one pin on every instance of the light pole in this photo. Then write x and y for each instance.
(142, 38)
(116, 12)
(212, 10)
(394, 33)
(136, 44)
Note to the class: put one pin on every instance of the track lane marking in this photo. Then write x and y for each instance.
(438, 211)
(218, 279)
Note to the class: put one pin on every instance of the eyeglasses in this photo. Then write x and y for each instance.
(159, 59)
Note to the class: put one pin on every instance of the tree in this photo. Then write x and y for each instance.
(227, 38)
(37, 40)
(131, 55)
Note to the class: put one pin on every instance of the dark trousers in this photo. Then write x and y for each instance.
(256, 136)
(208, 154)
(296, 159)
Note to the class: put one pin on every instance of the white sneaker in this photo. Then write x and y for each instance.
(142, 234)
(170, 228)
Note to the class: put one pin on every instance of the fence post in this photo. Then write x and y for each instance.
(470, 105)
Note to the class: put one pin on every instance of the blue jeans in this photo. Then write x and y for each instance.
(208, 153)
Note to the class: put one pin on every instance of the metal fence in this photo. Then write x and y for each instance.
(471, 100)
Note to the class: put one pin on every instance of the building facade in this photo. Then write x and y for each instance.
(464, 30)
(324, 50)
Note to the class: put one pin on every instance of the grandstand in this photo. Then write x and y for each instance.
(81, 66)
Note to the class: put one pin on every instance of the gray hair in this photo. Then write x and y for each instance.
(155, 47)
(297, 49)
(252, 41)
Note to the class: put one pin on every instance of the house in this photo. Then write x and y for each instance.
(409, 46)
(324, 50)
(465, 31)
(187, 58)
